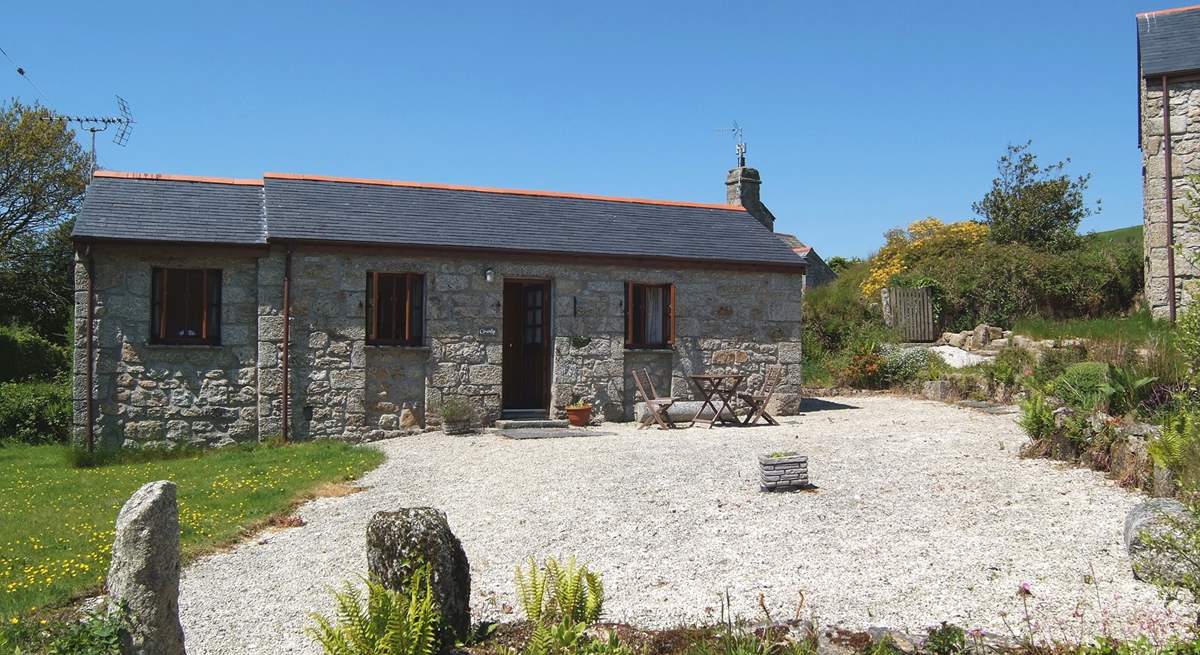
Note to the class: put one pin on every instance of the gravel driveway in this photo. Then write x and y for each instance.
(923, 513)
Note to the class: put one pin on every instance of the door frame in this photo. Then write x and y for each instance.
(547, 285)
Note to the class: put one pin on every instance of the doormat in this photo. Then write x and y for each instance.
(551, 433)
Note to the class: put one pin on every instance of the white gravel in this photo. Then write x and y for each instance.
(924, 513)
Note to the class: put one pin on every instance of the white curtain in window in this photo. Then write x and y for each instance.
(654, 315)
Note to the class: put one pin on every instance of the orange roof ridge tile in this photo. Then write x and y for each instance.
(1173, 10)
(517, 192)
(178, 178)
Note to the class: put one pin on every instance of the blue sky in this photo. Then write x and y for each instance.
(860, 117)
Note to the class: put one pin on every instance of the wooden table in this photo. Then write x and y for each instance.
(723, 386)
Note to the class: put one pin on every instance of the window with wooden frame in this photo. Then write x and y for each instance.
(395, 308)
(185, 306)
(649, 315)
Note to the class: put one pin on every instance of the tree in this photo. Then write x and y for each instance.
(43, 172)
(1038, 206)
(837, 263)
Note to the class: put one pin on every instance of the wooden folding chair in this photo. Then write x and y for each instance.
(657, 407)
(757, 402)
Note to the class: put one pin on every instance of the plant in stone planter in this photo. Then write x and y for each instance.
(579, 412)
(783, 470)
(458, 416)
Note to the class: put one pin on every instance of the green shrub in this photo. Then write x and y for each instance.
(1126, 389)
(901, 365)
(1083, 386)
(457, 411)
(35, 412)
(27, 356)
(1054, 362)
(946, 639)
(1011, 365)
(1187, 341)
(100, 634)
(1037, 417)
(390, 623)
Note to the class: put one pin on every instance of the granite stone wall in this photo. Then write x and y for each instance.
(343, 388)
(1185, 162)
(165, 395)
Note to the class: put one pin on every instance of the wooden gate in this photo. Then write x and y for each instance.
(910, 312)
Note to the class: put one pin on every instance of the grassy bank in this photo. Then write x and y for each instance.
(1136, 328)
(56, 521)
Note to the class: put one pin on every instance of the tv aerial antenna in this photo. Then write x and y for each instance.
(95, 124)
(739, 137)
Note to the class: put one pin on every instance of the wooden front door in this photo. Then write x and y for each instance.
(526, 349)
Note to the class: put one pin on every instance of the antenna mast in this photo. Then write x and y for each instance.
(95, 124)
(739, 139)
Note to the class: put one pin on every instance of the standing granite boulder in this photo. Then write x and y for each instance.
(144, 575)
(1153, 517)
(398, 542)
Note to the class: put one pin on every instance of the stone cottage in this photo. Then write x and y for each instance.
(1169, 67)
(310, 306)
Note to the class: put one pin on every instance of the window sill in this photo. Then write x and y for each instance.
(184, 346)
(667, 349)
(397, 346)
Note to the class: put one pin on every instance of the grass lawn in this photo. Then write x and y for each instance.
(1137, 328)
(56, 521)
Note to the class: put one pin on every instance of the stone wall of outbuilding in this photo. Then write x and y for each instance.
(1185, 162)
(343, 388)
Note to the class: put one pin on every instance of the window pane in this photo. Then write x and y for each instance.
(418, 307)
(386, 313)
(654, 315)
(185, 304)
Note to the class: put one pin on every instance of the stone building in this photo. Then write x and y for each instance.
(315, 306)
(1169, 66)
(816, 271)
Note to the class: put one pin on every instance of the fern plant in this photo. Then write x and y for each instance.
(1037, 417)
(1177, 447)
(389, 623)
(560, 592)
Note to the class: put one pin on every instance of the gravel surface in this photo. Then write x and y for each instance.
(923, 513)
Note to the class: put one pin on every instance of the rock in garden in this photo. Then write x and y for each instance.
(144, 575)
(981, 337)
(1153, 517)
(397, 542)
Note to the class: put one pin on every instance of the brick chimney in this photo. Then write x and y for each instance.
(742, 189)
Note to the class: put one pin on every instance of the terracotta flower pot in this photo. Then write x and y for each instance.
(579, 416)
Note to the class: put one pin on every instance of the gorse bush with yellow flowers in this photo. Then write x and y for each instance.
(924, 239)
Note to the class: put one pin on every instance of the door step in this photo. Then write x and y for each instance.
(525, 424)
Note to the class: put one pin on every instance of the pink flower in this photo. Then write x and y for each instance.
(1024, 590)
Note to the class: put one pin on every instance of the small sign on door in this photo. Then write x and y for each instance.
(487, 331)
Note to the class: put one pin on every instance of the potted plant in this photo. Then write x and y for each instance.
(579, 413)
(782, 470)
(458, 416)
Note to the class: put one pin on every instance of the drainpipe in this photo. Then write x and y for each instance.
(1170, 196)
(90, 265)
(287, 313)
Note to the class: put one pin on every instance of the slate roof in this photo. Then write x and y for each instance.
(1169, 41)
(165, 208)
(338, 210)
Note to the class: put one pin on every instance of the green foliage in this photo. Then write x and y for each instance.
(26, 356)
(836, 313)
(1137, 328)
(1054, 362)
(901, 365)
(458, 411)
(99, 634)
(1177, 447)
(1083, 386)
(1177, 545)
(387, 623)
(35, 412)
(1038, 206)
(839, 264)
(1037, 416)
(1126, 389)
(1187, 341)
(37, 282)
(1011, 365)
(565, 593)
(946, 639)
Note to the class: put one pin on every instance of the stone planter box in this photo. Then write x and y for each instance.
(782, 473)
